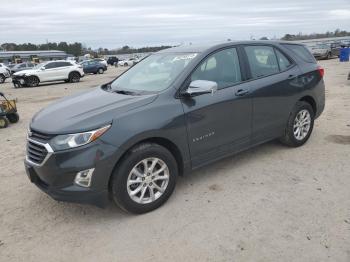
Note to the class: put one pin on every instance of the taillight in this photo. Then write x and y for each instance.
(321, 71)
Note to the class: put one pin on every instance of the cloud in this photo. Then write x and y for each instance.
(111, 23)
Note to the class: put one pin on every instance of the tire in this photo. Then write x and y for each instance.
(329, 55)
(13, 117)
(126, 64)
(74, 77)
(33, 81)
(3, 122)
(165, 180)
(100, 71)
(2, 78)
(295, 140)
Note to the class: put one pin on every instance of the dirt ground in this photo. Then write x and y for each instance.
(271, 203)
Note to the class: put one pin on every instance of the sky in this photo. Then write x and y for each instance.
(115, 23)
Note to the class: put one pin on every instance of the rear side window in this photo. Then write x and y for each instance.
(222, 67)
(262, 60)
(302, 52)
(283, 61)
(62, 64)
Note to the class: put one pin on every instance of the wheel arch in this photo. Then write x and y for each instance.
(72, 72)
(311, 101)
(165, 142)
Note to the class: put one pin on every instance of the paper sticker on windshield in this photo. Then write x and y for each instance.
(184, 57)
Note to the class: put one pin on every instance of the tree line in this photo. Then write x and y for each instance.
(301, 36)
(77, 49)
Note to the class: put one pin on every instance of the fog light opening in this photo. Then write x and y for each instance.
(83, 178)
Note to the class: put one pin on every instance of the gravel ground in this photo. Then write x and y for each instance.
(270, 203)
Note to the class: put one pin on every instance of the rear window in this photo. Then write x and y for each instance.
(302, 52)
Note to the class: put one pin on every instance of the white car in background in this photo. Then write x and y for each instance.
(4, 73)
(127, 62)
(59, 70)
(102, 61)
(6, 67)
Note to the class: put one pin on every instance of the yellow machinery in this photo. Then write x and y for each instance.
(8, 111)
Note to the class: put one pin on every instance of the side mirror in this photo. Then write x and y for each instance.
(42, 68)
(200, 87)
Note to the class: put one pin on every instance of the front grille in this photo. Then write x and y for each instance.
(35, 152)
(40, 136)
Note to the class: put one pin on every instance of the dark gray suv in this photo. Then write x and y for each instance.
(173, 112)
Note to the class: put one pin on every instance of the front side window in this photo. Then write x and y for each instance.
(222, 67)
(262, 60)
(50, 65)
(153, 74)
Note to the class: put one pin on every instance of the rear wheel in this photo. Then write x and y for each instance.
(126, 64)
(13, 117)
(32, 81)
(74, 77)
(329, 55)
(3, 122)
(300, 125)
(2, 78)
(144, 179)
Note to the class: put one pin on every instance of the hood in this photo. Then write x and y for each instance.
(26, 71)
(86, 111)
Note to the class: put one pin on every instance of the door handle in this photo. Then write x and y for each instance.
(242, 92)
(290, 77)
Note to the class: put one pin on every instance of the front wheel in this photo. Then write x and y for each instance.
(144, 179)
(100, 71)
(33, 81)
(300, 125)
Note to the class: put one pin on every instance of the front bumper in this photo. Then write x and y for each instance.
(55, 176)
(74, 194)
(19, 81)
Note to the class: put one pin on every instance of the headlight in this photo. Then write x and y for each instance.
(62, 142)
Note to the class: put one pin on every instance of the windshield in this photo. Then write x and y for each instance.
(38, 66)
(153, 74)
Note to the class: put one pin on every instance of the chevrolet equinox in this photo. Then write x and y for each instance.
(174, 111)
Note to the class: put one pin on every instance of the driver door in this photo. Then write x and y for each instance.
(219, 123)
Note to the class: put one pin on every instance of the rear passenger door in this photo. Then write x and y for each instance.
(273, 81)
(62, 70)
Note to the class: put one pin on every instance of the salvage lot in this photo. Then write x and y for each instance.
(271, 203)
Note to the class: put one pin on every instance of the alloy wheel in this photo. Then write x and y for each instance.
(302, 124)
(148, 180)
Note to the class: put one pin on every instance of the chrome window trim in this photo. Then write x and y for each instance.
(48, 149)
